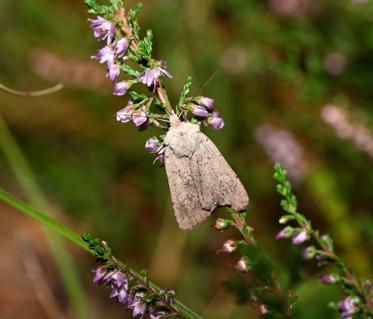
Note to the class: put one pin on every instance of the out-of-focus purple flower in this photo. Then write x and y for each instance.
(320, 260)
(335, 63)
(289, 8)
(329, 279)
(150, 76)
(139, 117)
(113, 70)
(215, 121)
(300, 237)
(199, 110)
(120, 88)
(281, 146)
(206, 102)
(104, 55)
(103, 29)
(121, 47)
(346, 128)
(100, 272)
(347, 307)
(287, 232)
(125, 115)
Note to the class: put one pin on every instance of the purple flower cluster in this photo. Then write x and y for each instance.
(114, 50)
(134, 296)
(139, 117)
(347, 307)
(204, 107)
(154, 146)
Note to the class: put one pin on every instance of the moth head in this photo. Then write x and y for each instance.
(174, 120)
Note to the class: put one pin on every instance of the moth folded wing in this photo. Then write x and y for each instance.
(218, 184)
(184, 195)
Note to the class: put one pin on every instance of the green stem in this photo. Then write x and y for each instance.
(26, 180)
(69, 234)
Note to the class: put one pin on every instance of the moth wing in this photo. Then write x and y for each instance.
(184, 193)
(216, 182)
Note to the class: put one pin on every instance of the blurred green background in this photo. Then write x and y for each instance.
(280, 63)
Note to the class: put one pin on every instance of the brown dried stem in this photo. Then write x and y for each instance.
(31, 93)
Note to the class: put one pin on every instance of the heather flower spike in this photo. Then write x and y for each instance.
(131, 290)
(322, 252)
(122, 43)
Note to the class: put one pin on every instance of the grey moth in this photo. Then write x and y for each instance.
(199, 177)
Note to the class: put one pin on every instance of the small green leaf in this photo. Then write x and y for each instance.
(186, 90)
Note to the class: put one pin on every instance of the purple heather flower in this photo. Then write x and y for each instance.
(206, 102)
(300, 237)
(199, 110)
(215, 121)
(125, 115)
(119, 279)
(103, 29)
(150, 76)
(121, 47)
(104, 55)
(152, 145)
(347, 307)
(285, 233)
(100, 272)
(229, 246)
(113, 70)
(137, 305)
(242, 265)
(329, 279)
(139, 117)
(121, 294)
(120, 88)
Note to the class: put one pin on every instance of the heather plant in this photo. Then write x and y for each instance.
(132, 68)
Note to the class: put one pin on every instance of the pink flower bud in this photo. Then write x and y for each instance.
(242, 265)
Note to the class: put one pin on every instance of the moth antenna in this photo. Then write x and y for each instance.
(208, 81)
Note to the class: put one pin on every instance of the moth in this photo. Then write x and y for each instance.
(199, 177)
